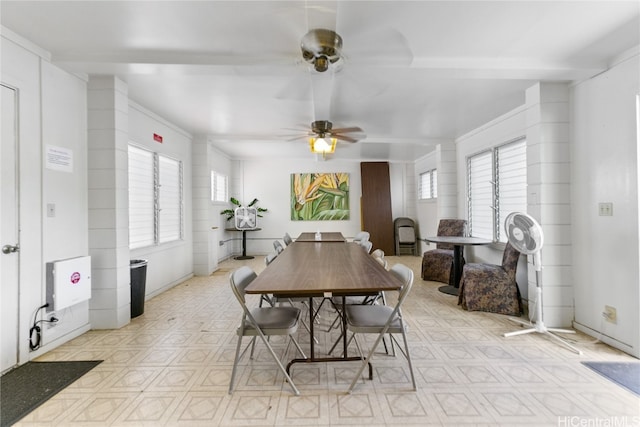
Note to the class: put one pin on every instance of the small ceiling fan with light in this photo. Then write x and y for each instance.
(323, 137)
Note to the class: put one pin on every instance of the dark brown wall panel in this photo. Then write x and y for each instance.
(376, 205)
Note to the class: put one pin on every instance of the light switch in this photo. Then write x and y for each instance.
(51, 210)
(605, 209)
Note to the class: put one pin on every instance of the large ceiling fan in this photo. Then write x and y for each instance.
(322, 48)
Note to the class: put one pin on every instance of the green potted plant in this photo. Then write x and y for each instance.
(230, 213)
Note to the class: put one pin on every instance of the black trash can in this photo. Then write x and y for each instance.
(138, 269)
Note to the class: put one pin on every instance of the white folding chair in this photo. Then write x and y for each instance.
(381, 320)
(287, 239)
(262, 322)
(361, 236)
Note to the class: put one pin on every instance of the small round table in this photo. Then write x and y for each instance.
(458, 242)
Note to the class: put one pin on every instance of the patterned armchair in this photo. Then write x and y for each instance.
(437, 264)
(492, 288)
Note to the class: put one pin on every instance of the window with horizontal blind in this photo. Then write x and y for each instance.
(496, 186)
(219, 187)
(155, 198)
(428, 185)
(141, 198)
(169, 199)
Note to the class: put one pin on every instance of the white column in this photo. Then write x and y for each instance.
(108, 129)
(548, 198)
(205, 253)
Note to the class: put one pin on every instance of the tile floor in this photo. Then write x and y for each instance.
(171, 366)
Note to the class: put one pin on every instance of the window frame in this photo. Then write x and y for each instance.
(162, 167)
(433, 185)
(502, 179)
(215, 176)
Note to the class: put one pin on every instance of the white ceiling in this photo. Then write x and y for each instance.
(414, 74)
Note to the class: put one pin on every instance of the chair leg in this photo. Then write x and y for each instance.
(282, 369)
(295, 342)
(368, 358)
(235, 364)
(408, 356)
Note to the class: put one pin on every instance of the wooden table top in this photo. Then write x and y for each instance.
(323, 268)
(326, 237)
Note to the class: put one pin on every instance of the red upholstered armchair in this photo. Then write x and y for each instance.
(492, 288)
(437, 264)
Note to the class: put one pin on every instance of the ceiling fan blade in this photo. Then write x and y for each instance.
(382, 47)
(346, 130)
(345, 138)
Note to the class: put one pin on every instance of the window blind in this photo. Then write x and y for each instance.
(428, 183)
(169, 199)
(141, 198)
(480, 191)
(218, 187)
(511, 165)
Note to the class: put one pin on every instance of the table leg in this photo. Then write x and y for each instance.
(244, 247)
(312, 357)
(457, 272)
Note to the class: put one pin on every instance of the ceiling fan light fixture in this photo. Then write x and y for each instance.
(323, 145)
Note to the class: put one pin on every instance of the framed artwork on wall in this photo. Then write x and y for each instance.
(319, 196)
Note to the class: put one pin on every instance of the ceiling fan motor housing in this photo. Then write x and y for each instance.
(321, 127)
(321, 48)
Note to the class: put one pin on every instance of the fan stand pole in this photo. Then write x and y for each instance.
(539, 326)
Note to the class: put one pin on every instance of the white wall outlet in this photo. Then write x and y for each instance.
(52, 320)
(605, 209)
(610, 314)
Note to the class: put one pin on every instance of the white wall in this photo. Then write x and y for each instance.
(270, 182)
(52, 110)
(65, 235)
(169, 263)
(605, 169)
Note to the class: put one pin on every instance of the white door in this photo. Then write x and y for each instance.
(9, 260)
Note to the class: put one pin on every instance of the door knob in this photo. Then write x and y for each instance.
(9, 249)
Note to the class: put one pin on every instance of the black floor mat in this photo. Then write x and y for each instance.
(626, 374)
(25, 388)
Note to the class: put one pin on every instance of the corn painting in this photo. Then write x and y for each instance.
(319, 196)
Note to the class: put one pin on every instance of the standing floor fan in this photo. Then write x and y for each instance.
(525, 234)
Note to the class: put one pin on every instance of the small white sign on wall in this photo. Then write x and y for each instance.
(59, 158)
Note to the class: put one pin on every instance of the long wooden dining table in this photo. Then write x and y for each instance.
(322, 270)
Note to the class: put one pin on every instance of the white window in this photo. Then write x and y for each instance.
(141, 198)
(169, 199)
(219, 187)
(428, 185)
(496, 186)
(155, 198)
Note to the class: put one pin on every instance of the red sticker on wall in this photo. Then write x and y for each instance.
(157, 138)
(75, 278)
